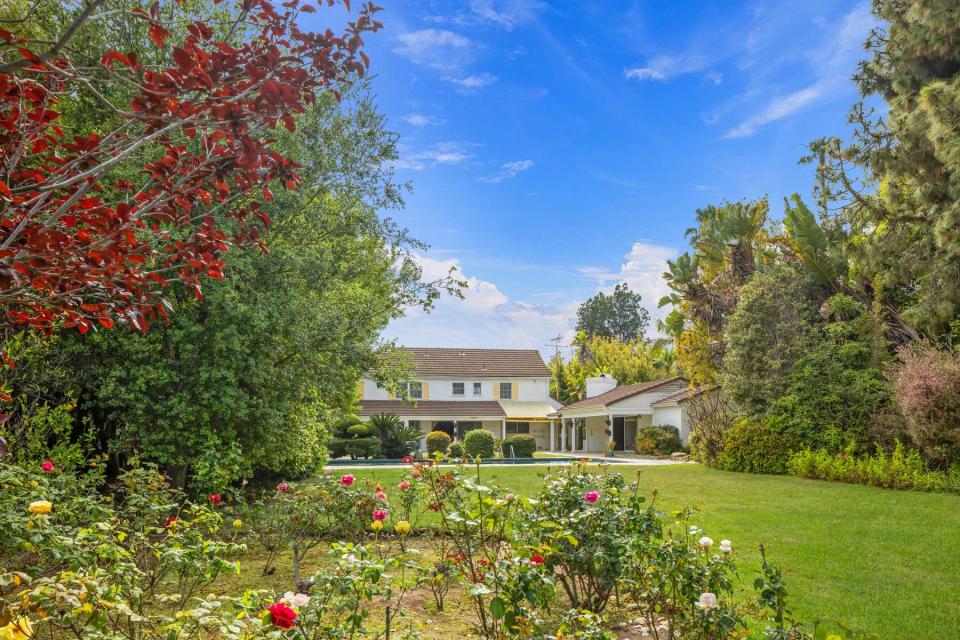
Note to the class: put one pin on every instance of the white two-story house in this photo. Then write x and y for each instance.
(505, 391)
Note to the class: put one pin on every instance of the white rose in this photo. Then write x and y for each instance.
(707, 601)
(706, 543)
(726, 546)
(296, 599)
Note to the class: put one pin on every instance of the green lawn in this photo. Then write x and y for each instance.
(886, 561)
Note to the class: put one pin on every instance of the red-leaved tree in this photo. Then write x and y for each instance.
(82, 242)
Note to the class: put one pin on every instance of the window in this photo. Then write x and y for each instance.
(514, 428)
(414, 389)
(458, 389)
(477, 388)
(506, 391)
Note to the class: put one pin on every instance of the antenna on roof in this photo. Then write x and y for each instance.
(556, 344)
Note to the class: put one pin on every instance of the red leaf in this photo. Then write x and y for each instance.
(5, 191)
(267, 194)
(106, 322)
(183, 59)
(158, 34)
(114, 56)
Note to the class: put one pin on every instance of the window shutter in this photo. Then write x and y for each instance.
(426, 391)
(495, 386)
(515, 391)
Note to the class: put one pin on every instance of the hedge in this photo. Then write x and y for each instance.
(437, 441)
(478, 443)
(658, 440)
(523, 446)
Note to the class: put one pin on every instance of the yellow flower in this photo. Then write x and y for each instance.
(376, 525)
(87, 607)
(41, 506)
(833, 636)
(18, 629)
(237, 523)
(402, 527)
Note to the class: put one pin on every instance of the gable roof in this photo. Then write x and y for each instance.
(621, 393)
(686, 394)
(477, 363)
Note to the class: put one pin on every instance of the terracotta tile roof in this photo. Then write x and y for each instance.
(434, 408)
(620, 393)
(477, 363)
(686, 394)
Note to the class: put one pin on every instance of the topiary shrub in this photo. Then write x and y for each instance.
(757, 447)
(351, 437)
(456, 449)
(478, 442)
(658, 440)
(437, 442)
(358, 430)
(523, 445)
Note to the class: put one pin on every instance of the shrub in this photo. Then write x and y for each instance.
(478, 442)
(395, 436)
(437, 441)
(711, 415)
(523, 445)
(756, 447)
(926, 389)
(352, 438)
(658, 440)
(899, 470)
(456, 449)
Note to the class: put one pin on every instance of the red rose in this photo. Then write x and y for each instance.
(537, 559)
(282, 616)
(169, 522)
(47, 466)
(406, 459)
(214, 498)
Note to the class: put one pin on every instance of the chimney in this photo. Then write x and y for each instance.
(600, 384)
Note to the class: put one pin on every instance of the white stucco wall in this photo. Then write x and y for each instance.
(528, 389)
(674, 416)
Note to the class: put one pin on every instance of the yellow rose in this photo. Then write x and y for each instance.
(237, 523)
(402, 527)
(41, 506)
(376, 525)
(87, 607)
(18, 629)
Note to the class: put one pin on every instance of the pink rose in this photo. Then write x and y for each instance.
(591, 496)
(283, 487)
(381, 495)
(379, 515)
(47, 466)
(347, 480)
(404, 485)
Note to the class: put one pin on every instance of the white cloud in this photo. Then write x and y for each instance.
(419, 120)
(435, 48)
(487, 317)
(442, 153)
(833, 62)
(473, 82)
(506, 13)
(508, 171)
(665, 67)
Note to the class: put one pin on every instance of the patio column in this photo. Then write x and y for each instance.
(551, 445)
(573, 435)
(563, 435)
(610, 437)
(503, 429)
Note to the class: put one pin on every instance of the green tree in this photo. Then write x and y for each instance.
(892, 196)
(274, 352)
(766, 334)
(619, 315)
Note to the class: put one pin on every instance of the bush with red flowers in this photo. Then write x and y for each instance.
(282, 616)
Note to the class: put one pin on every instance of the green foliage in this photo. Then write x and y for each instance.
(658, 440)
(438, 441)
(756, 447)
(395, 437)
(836, 387)
(523, 445)
(351, 438)
(478, 442)
(900, 469)
(619, 315)
(766, 334)
(456, 449)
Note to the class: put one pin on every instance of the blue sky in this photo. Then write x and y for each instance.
(557, 148)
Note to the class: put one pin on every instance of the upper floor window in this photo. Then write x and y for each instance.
(414, 389)
(477, 388)
(458, 389)
(506, 391)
